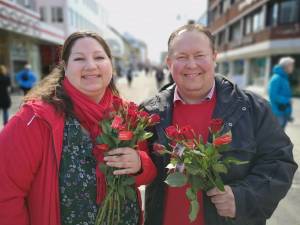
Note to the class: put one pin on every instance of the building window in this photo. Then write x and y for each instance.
(248, 25)
(288, 12)
(235, 31)
(257, 71)
(221, 38)
(258, 21)
(57, 14)
(283, 12)
(43, 13)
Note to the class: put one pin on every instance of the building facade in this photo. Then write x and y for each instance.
(24, 38)
(251, 36)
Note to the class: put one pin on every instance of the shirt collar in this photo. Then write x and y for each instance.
(207, 98)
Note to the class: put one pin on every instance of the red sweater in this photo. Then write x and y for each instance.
(176, 204)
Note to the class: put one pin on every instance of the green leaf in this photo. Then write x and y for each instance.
(231, 160)
(105, 126)
(146, 135)
(219, 183)
(176, 179)
(220, 168)
(130, 193)
(194, 209)
(107, 140)
(99, 140)
(128, 181)
(196, 182)
(103, 168)
(190, 194)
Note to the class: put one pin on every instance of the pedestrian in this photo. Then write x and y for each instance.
(252, 190)
(280, 92)
(26, 79)
(47, 164)
(160, 77)
(5, 101)
(129, 76)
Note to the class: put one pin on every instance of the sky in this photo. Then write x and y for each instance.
(152, 20)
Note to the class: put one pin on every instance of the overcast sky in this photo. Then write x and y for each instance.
(152, 20)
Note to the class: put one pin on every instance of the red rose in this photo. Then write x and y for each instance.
(125, 135)
(154, 119)
(102, 147)
(172, 132)
(132, 106)
(117, 122)
(188, 132)
(222, 140)
(158, 148)
(143, 114)
(216, 125)
(117, 103)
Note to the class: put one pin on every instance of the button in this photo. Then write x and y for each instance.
(244, 108)
(230, 124)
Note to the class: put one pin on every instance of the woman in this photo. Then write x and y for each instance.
(5, 101)
(47, 167)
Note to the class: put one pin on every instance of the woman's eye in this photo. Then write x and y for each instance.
(78, 59)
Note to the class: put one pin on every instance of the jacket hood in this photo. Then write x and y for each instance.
(280, 71)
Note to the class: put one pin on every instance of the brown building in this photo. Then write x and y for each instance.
(251, 35)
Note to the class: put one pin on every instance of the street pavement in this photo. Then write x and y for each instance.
(142, 87)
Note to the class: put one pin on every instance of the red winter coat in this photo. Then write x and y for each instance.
(30, 153)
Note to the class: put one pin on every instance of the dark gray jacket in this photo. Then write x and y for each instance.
(257, 186)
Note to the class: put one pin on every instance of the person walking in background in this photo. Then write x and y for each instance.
(280, 92)
(160, 77)
(49, 156)
(129, 76)
(26, 79)
(5, 100)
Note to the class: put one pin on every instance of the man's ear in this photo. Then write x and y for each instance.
(168, 62)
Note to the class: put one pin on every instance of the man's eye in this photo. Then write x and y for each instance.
(78, 59)
(99, 57)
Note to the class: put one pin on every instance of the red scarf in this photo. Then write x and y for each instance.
(89, 114)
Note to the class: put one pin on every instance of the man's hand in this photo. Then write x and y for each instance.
(223, 201)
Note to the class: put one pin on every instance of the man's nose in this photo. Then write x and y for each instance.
(191, 62)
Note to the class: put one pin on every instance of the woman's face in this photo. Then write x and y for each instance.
(89, 69)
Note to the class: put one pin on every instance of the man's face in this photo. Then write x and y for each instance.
(191, 62)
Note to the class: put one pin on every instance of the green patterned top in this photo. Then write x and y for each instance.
(77, 181)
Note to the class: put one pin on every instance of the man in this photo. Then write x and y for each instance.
(26, 78)
(280, 92)
(253, 190)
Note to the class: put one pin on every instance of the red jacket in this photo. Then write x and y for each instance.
(30, 153)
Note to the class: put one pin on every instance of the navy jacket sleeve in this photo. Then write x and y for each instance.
(272, 169)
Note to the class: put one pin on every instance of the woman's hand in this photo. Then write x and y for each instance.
(127, 159)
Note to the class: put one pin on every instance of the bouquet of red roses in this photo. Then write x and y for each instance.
(197, 163)
(124, 126)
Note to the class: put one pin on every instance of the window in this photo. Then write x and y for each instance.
(258, 21)
(43, 13)
(283, 12)
(288, 12)
(248, 25)
(221, 38)
(257, 71)
(235, 32)
(57, 14)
